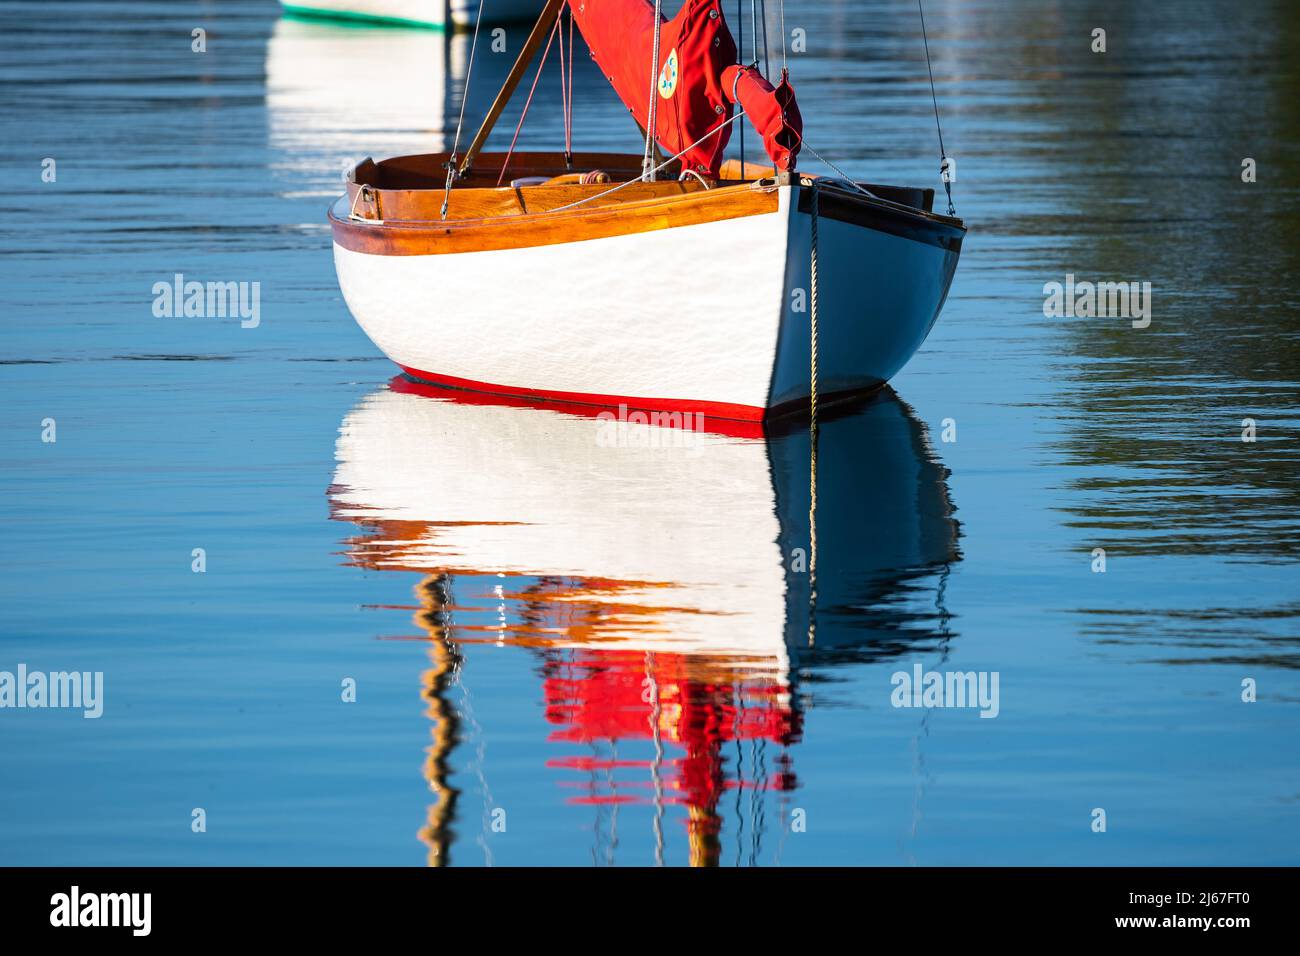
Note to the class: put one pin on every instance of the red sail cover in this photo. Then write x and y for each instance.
(695, 50)
(773, 112)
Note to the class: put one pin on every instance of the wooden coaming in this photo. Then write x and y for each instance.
(398, 204)
(425, 205)
(406, 221)
(429, 170)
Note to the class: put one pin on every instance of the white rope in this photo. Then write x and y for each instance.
(647, 161)
(352, 213)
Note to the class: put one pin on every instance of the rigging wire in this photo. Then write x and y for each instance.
(464, 97)
(568, 128)
(845, 179)
(943, 154)
(586, 199)
(784, 66)
(528, 102)
(566, 93)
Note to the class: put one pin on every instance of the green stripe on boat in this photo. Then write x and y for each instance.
(350, 18)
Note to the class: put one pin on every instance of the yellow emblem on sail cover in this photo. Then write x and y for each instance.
(668, 76)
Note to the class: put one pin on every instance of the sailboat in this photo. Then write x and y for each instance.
(667, 280)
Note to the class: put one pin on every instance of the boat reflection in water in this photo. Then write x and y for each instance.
(656, 573)
(333, 89)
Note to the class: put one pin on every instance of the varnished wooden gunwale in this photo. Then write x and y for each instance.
(398, 203)
(681, 207)
(425, 205)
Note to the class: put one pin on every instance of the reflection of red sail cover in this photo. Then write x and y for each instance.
(695, 49)
(613, 695)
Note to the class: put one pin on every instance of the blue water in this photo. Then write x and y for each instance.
(502, 666)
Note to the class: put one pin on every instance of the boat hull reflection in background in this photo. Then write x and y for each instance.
(658, 575)
(416, 13)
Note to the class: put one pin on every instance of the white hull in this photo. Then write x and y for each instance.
(433, 13)
(714, 313)
(647, 315)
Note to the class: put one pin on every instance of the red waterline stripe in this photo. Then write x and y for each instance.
(722, 417)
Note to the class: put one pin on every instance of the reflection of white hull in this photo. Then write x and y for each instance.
(686, 534)
(693, 543)
(427, 13)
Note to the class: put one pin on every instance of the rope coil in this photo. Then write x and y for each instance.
(365, 193)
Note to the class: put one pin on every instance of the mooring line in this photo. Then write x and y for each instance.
(812, 425)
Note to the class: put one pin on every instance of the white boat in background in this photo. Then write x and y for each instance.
(413, 13)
